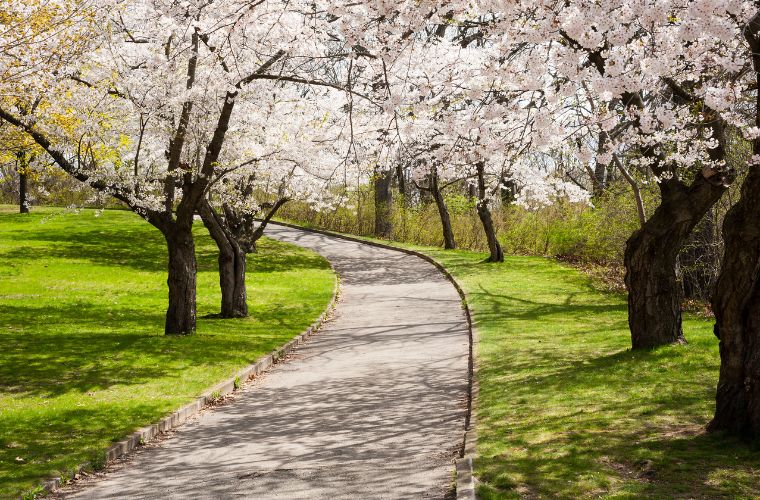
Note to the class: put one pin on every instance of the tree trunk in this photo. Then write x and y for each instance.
(401, 180)
(448, 234)
(736, 301)
(736, 304)
(654, 293)
(383, 181)
(600, 170)
(23, 202)
(239, 305)
(232, 264)
(508, 190)
(496, 254)
(23, 178)
(180, 316)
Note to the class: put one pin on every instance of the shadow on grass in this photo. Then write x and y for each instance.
(141, 247)
(567, 410)
(62, 433)
(81, 332)
(98, 351)
(529, 310)
(55, 346)
(613, 414)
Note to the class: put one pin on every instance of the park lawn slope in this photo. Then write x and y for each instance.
(567, 410)
(83, 358)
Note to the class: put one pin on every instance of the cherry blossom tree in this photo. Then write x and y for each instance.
(664, 77)
(293, 154)
(38, 40)
(149, 108)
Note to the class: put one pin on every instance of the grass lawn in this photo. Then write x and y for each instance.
(83, 358)
(567, 410)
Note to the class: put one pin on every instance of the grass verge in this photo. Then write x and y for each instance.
(83, 358)
(567, 410)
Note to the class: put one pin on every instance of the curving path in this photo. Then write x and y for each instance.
(373, 406)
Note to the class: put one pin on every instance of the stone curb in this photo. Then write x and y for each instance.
(177, 418)
(465, 478)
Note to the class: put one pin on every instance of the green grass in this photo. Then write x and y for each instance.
(83, 358)
(567, 410)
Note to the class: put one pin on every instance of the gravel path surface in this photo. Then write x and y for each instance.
(373, 406)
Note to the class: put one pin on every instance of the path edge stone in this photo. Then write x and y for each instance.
(464, 470)
(207, 398)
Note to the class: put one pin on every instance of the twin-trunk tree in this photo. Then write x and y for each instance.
(235, 235)
(654, 293)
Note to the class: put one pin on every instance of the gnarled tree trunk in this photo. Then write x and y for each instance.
(232, 264)
(181, 314)
(736, 301)
(654, 293)
(736, 304)
(383, 180)
(496, 254)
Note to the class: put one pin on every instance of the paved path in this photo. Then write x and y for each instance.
(371, 407)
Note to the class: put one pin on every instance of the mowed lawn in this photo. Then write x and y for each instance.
(567, 410)
(83, 358)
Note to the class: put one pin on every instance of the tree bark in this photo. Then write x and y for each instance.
(736, 304)
(257, 233)
(496, 254)
(23, 178)
(640, 211)
(232, 264)
(383, 181)
(181, 314)
(448, 234)
(23, 201)
(508, 190)
(736, 301)
(654, 293)
(401, 180)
